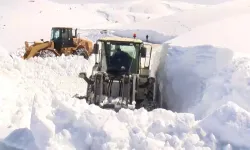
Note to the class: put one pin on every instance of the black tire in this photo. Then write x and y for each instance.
(45, 53)
(98, 89)
(158, 96)
(81, 52)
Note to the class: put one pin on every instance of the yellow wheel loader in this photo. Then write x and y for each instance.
(63, 40)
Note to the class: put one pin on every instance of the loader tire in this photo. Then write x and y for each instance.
(45, 53)
(81, 52)
(98, 89)
(158, 96)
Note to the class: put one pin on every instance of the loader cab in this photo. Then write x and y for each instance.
(62, 37)
(118, 55)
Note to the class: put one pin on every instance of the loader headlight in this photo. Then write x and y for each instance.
(123, 68)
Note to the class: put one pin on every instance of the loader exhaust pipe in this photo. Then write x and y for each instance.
(76, 32)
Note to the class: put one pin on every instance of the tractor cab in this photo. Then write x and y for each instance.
(63, 37)
(118, 55)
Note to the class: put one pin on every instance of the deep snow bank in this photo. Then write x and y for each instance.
(204, 68)
(185, 72)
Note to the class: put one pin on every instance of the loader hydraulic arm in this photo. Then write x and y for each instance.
(84, 76)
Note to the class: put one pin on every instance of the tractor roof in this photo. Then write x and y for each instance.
(61, 27)
(121, 39)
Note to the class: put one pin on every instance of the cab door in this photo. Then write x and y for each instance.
(67, 38)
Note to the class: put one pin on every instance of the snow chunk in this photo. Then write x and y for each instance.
(21, 138)
(231, 124)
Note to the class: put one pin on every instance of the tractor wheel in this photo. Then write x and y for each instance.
(149, 103)
(46, 53)
(81, 52)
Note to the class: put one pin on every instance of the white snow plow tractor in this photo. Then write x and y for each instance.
(120, 77)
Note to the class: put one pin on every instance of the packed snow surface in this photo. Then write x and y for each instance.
(203, 67)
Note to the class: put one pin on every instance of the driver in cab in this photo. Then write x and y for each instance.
(121, 60)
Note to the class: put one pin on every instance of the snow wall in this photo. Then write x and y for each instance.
(200, 79)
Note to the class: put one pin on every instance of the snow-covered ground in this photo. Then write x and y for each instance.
(203, 65)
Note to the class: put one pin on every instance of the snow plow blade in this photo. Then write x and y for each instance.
(34, 49)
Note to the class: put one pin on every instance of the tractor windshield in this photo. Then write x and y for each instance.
(121, 56)
(55, 34)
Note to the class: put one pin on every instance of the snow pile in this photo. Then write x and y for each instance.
(229, 84)
(77, 125)
(212, 63)
(73, 124)
(20, 139)
(230, 124)
(104, 129)
(30, 85)
(25, 80)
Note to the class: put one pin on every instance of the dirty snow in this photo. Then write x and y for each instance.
(204, 74)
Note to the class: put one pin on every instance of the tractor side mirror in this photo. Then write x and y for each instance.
(96, 48)
(143, 52)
